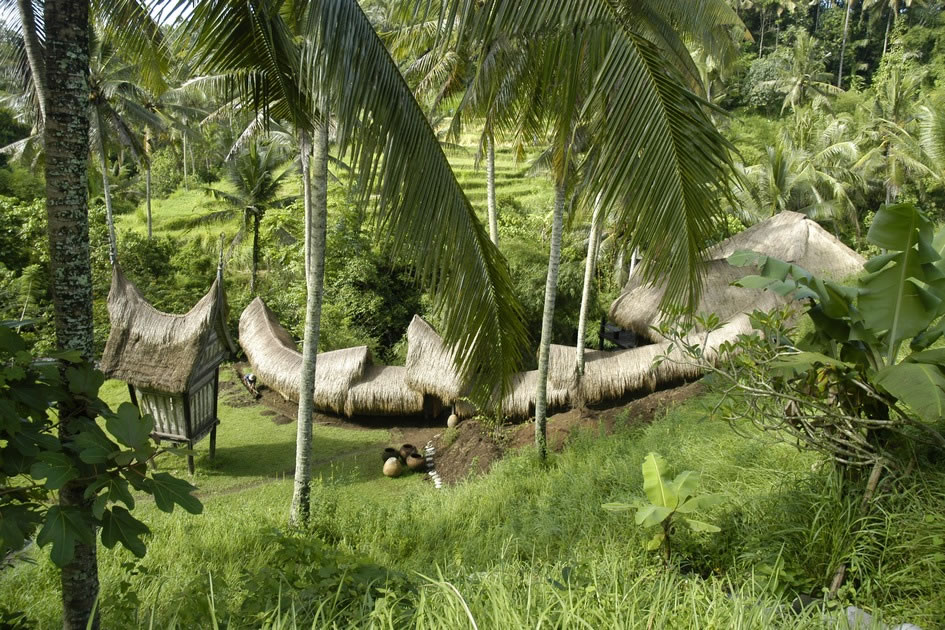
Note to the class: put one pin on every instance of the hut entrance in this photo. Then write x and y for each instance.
(432, 407)
(171, 363)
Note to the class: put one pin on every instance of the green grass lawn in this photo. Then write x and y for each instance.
(528, 544)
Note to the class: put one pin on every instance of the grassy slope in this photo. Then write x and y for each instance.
(503, 539)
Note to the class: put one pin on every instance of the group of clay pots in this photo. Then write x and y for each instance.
(395, 460)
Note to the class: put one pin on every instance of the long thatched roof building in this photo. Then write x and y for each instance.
(170, 362)
(277, 363)
(431, 369)
(788, 236)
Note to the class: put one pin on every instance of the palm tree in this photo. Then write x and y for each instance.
(806, 78)
(312, 59)
(621, 68)
(255, 177)
(843, 44)
(893, 8)
(116, 100)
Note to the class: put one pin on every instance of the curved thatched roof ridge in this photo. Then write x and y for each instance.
(382, 391)
(789, 236)
(278, 364)
(519, 402)
(430, 365)
(155, 350)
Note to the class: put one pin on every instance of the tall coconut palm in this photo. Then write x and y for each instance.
(312, 59)
(623, 69)
(803, 78)
(255, 179)
(893, 8)
(843, 42)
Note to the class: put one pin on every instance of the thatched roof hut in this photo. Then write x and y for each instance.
(150, 349)
(519, 402)
(170, 362)
(382, 391)
(278, 363)
(788, 236)
(431, 369)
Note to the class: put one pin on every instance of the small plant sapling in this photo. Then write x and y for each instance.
(665, 500)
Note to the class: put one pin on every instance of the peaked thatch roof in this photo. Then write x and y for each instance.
(278, 364)
(430, 366)
(383, 392)
(161, 351)
(789, 236)
(520, 401)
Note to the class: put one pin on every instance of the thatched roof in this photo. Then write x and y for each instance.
(611, 375)
(789, 236)
(161, 351)
(520, 401)
(430, 366)
(382, 391)
(278, 364)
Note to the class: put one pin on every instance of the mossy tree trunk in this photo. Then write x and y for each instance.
(66, 139)
(551, 290)
(315, 194)
(843, 45)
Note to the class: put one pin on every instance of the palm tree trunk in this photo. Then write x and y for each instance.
(66, 138)
(843, 46)
(490, 189)
(577, 392)
(551, 290)
(147, 193)
(34, 52)
(103, 164)
(252, 278)
(183, 136)
(889, 19)
(316, 209)
(147, 178)
(589, 266)
(761, 38)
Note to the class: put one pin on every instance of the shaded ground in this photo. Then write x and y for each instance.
(470, 448)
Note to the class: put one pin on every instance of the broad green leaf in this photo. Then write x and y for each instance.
(919, 385)
(617, 507)
(94, 446)
(700, 502)
(891, 302)
(84, 380)
(64, 527)
(654, 543)
(746, 258)
(168, 491)
(657, 490)
(129, 427)
(55, 468)
(649, 515)
(116, 489)
(935, 357)
(17, 522)
(118, 525)
(897, 227)
(699, 526)
(685, 484)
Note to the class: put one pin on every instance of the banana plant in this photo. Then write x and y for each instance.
(665, 500)
(861, 329)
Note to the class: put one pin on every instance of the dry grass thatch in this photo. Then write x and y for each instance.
(789, 236)
(382, 391)
(278, 364)
(520, 401)
(430, 366)
(161, 351)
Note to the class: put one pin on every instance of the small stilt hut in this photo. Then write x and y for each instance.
(170, 362)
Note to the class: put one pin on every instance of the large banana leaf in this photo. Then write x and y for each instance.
(903, 292)
(658, 491)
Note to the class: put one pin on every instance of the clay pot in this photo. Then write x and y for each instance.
(416, 461)
(452, 421)
(406, 450)
(390, 452)
(393, 467)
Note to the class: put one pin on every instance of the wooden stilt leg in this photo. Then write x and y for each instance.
(213, 442)
(190, 459)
